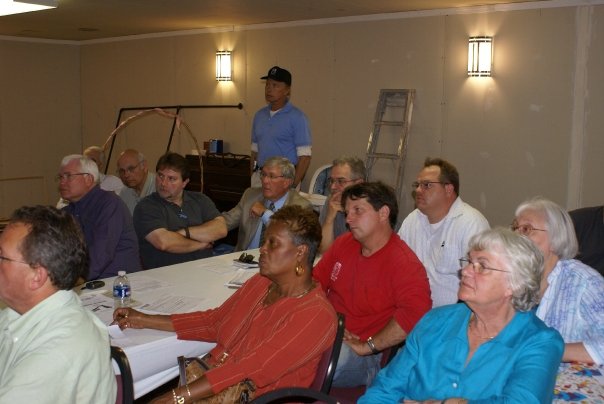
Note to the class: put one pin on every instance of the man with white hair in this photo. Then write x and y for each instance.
(134, 172)
(102, 216)
(106, 182)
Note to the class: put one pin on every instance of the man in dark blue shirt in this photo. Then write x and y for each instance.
(103, 217)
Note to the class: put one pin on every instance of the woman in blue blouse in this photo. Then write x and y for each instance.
(489, 349)
(572, 293)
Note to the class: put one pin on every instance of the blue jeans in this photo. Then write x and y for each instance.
(354, 370)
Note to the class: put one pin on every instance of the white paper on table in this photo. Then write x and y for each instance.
(219, 269)
(245, 265)
(97, 302)
(142, 283)
(115, 332)
(169, 304)
(240, 278)
(100, 302)
(141, 336)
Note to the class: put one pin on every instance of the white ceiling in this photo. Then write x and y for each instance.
(79, 20)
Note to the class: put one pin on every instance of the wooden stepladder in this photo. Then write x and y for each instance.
(391, 130)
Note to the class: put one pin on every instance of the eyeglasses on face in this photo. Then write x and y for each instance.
(477, 267)
(68, 176)
(247, 258)
(130, 169)
(338, 181)
(270, 176)
(524, 229)
(426, 185)
(3, 258)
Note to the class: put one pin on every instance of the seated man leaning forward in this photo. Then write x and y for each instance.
(102, 216)
(373, 278)
(52, 350)
(271, 332)
(257, 205)
(174, 225)
(345, 172)
(491, 348)
(133, 171)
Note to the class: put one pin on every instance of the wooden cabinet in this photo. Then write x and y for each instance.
(225, 177)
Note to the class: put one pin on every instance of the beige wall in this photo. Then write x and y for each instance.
(40, 119)
(533, 128)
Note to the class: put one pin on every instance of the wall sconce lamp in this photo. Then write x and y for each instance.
(223, 66)
(8, 7)
(480, 56)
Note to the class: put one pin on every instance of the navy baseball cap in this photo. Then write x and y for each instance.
(278, 74)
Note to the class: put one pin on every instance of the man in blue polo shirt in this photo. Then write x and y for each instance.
(280, 129)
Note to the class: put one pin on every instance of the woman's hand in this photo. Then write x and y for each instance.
(126, 317)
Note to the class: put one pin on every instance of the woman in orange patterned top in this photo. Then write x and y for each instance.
(273, 330)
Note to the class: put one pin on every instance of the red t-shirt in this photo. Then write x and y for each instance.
(369, 291)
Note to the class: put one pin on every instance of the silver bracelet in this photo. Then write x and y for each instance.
(374, 350)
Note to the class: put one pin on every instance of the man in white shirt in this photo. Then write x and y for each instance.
(439, 229)
(134, 173)
(53, 350)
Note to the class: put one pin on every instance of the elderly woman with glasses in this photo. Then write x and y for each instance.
(271, 332)
(490, 348)
(572, 293)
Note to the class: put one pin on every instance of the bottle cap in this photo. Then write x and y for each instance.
(121, 273)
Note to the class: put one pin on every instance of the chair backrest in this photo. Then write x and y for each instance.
(125, 383)
(329, 361)
(318, 182)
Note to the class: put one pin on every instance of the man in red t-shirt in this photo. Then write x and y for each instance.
(373, 278)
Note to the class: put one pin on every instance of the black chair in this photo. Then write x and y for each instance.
(321, 385)
(352, 394)
(125, 384)
(329, 360)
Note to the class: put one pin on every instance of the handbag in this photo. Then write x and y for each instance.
(191, 369)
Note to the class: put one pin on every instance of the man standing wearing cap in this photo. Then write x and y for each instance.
(280, 129)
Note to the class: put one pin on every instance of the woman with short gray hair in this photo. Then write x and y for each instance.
(572, 293)
(491, 347)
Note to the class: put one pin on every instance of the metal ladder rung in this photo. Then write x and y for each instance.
(389, 123)
(397, 105)
(383, 156)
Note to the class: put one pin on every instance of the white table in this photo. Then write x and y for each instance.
(152, 354)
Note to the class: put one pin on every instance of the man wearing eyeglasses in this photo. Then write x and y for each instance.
(345, 171)
(175, 225)
(103, 217)
(134, 173)
(440, 227)
(53, 350)
(258, 204)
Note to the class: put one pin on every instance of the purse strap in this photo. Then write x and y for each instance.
(182, 379)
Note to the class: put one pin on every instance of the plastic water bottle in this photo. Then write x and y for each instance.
(121, 290)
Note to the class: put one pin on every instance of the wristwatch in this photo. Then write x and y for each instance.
(374, 350)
